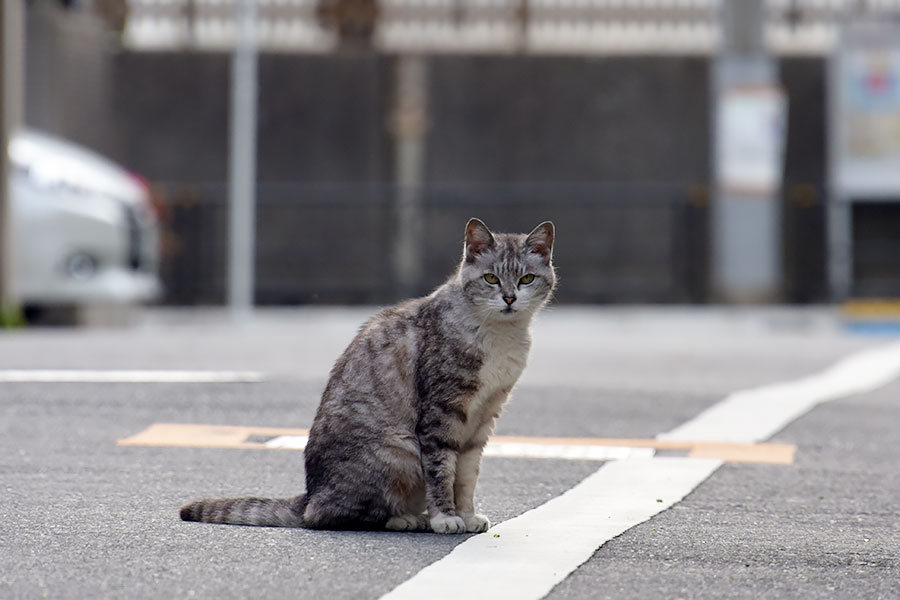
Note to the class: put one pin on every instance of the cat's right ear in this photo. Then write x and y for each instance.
(479, 239)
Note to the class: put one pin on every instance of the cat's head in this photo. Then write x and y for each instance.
(505, 274)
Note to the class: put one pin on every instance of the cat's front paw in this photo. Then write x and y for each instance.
(442, 523)
(407, 523)
(476, 523)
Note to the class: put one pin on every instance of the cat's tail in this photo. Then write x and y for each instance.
(261, 512)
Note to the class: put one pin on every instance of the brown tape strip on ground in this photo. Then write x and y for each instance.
(227, 436)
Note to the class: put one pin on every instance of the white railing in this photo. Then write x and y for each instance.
(536, 26)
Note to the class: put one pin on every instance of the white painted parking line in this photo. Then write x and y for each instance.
(519, 449)
(288, 442)
(757, 414)
(126, 376)
(565, 451)
(525, 557)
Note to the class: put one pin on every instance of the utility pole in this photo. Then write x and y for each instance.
(748, 125)
(12, 27)
(242, 166)
(409, 124)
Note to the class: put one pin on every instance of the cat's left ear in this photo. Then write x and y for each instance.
(540, 240)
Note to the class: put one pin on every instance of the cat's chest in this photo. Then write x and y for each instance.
(505, 356)
(503, 363)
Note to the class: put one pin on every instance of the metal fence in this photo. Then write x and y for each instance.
(320, 243)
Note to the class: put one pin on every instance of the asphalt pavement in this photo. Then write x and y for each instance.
(81, 517)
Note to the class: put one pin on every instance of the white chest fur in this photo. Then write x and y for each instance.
(505, 350)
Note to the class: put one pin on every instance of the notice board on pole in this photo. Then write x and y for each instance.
(865, 113)
(750, 135)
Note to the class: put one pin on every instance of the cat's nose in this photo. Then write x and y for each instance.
(509, 299)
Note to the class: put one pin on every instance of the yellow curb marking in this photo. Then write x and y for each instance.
(875, 308)
(226, 436)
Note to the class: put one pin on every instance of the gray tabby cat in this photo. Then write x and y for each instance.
(398, 437)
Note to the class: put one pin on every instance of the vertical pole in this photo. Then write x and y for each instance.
(12, 27)
(839, 252)
(409, 122)
(840, 247)
(746, 225)
(242, 167)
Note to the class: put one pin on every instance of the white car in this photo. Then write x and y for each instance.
(84, 231)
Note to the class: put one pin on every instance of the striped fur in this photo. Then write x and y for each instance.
(266, 512)
(397, 439)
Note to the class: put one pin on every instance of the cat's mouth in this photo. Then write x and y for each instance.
(508, 310)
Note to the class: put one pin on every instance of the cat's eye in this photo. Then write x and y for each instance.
(491, 278)
(526, 279)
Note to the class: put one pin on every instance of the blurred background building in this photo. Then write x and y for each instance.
(382, 125)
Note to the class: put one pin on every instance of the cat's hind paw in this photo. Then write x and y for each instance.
(447, 524)
(476, 523)
(407, 523)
